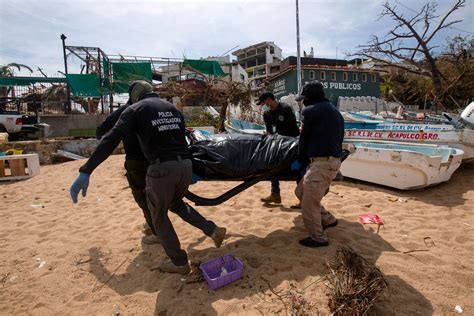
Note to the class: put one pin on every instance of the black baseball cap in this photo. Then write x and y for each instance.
(311, 90)
(265, 95)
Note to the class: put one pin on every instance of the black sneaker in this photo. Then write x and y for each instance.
(311, 243)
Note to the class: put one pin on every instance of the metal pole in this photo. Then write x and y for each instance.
(68, 106)
(298, 57)
(101, 82)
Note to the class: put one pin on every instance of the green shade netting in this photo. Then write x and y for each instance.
(125, 73)
(26, 81)
(84, 85)
(208, 67)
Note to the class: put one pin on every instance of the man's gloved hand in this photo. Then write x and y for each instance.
(81, 183)
(296, 165)
(195, 178)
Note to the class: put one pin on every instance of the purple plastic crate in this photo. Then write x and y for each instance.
(212, 270)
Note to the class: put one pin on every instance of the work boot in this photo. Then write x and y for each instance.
(146, 229)
(218, 236)
(169, 267)
(272, 198)
(330, 225)
(151, 240)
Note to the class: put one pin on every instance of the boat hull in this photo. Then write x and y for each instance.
(461, 139)
(401, 166)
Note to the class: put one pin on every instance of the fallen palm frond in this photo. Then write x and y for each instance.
(355, 284)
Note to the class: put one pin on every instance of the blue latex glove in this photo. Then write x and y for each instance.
(296, 165)
(195, 178)
(81, 183)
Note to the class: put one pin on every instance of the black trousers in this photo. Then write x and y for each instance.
(136, 176)
(166, 184)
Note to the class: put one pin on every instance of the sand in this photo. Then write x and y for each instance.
(57, 257)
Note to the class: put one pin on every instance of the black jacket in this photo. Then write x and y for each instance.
(159, 126)
(283, 119)
(322, 132)
(130, 142)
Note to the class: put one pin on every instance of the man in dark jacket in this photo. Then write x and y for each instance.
(160, 129)
(320, 143)
(136, 166)
(279, 118)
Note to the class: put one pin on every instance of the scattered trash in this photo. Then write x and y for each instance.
(368, 205)
(399, 199)
(137, 264)
(337, 193)
(37, 205)
(13, 278)
(224, 271)
(466, 226)
(371, 219)
(42, 264)
(458, 309)
(428, 242)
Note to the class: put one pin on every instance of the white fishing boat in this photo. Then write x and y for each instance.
(461, 138)
(400, 165)
(244, 127)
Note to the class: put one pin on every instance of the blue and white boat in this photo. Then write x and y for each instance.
(413, 134)
(355, 120)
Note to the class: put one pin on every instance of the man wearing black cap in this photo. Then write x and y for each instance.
(321, 143)
(160, 129)
(279, 118)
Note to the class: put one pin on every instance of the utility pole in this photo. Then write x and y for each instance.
(68, 105)
(298, 57)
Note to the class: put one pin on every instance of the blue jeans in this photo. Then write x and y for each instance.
(275, 187)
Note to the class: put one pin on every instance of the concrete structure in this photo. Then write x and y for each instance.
(73, 125)
(47, 148)
(258, 59)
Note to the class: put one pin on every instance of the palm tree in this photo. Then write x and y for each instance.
(8, 71)
(386, 86)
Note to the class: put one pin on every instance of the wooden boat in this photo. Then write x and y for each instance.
(402, 166)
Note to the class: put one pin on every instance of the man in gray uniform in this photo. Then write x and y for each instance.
(160, 128)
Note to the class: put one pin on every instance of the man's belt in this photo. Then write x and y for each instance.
(171, 158)
(330, 158)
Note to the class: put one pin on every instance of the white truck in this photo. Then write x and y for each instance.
(10, 122)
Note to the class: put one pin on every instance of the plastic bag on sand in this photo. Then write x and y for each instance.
(370, 219)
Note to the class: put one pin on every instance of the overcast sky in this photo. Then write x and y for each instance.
(30, 30)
